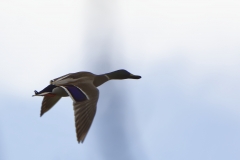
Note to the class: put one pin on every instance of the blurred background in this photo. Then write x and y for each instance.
(185, 107)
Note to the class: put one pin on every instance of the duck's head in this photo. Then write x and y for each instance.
(122, 74)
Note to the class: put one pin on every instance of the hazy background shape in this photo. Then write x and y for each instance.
(186, 106)
(1, 149)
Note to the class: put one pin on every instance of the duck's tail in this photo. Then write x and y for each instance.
(47, 91)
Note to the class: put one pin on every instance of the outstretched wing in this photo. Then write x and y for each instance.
(84, 94)
(84, 111)
(48, 103)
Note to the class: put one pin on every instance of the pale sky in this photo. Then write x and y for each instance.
(186, 106)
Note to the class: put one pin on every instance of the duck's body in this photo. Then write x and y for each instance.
(82, 88)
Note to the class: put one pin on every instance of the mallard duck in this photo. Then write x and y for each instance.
(82, 88)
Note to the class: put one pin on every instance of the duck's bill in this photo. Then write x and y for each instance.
(135, 76)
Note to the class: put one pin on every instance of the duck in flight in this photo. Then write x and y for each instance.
(82, 88)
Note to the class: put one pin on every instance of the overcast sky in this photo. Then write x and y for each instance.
(186, 106)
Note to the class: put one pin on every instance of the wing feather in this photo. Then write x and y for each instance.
(48, 103)
(84, 114)
(84, 111)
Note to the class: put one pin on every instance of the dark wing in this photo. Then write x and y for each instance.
(84, 99)
(85, 111)
(48, 103)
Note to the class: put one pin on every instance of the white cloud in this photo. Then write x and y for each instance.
(42, 40)
(39, 41)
